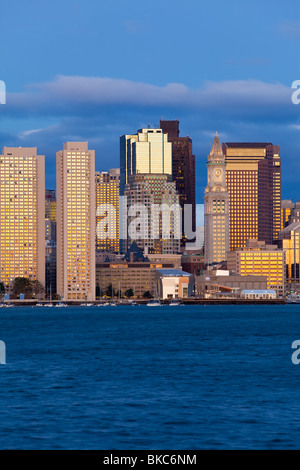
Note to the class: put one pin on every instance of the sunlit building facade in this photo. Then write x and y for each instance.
(107, 210)
(289, 241)
(75, 168)
(253, 173)
(259, 259)
(148, 151)
(22, 215)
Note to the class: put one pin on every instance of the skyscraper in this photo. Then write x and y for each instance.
(75, 167)
(22, 215)
(148, 151)
(253, 174)
(216, 211)
(157, 228)
(183, 167)
(107, 209)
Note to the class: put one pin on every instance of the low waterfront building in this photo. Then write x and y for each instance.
(267, 294)
(136, 271)
(213, 282)
(174, 284)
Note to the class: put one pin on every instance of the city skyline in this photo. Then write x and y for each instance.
(240, 88)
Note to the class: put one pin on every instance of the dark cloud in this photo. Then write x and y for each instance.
(99, 110)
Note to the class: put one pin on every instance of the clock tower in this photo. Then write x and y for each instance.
(216, 204)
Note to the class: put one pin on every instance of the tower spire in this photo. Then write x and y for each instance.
(216, 146)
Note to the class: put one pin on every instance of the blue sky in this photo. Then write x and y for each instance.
(89, 70)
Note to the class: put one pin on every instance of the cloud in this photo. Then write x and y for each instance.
(290, 29)
(99, 110)
(76, 94)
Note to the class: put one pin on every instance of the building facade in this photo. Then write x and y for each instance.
(153, 214)
(253, 173)
(183, 171)
(107, 210)
(214, 281)
(50, 205)
(174, 284)
(22, 215)
(259, 259)
(216, 207)
(148, 151)
(289, 242)
(76, 215)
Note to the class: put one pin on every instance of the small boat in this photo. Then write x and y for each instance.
(154, 303)
(89, 304)
(113, 304)
(293, 299)
(8, 305)
(49, 305)
(173, 303)
(39, 305)
(61, 304)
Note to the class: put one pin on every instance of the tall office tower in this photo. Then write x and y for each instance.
(153, 229)
(50, 205)
(148, 151)
(216, 207)
(183, 168)
(253, 176)
(75, 172)
(107, 210)
(22, 215)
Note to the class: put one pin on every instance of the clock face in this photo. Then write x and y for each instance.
(217, 172)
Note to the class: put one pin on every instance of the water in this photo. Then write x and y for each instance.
(192, 377)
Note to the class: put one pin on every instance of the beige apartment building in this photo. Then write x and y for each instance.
(75, 170)
(22, 215)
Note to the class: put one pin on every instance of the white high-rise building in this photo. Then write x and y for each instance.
(75, 168)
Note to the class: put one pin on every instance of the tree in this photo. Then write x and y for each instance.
(22, 285)
(147, 295)
(38, 288)
(129, 293)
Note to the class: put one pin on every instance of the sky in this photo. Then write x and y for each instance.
(93, 70)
